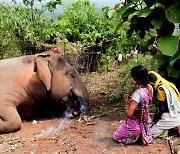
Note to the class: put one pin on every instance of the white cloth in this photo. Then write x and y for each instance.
(166, 122)
(120, 57)
(172, 101)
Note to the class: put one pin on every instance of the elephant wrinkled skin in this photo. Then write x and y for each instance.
(28, 80)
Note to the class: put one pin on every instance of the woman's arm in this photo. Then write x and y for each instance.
(131, 108)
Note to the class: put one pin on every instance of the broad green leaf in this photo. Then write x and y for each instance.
(134, 19)
(173, 69)
(144, 4)
(145, 12)
(158, 61)
(173, 13)
(175, 57)
(157, 5)
(120, 12)
(157, 22)
(168, 45)
(136, 1)
(128, 12)
(111, 13)
(118, 26)
(132, 15)
(172, 72)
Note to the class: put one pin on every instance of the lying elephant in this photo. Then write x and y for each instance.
(28, 80)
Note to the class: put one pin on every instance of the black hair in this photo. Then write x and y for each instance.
(152, 77)
(141, 73)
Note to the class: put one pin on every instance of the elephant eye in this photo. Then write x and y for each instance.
(61, 61)
(71, 74)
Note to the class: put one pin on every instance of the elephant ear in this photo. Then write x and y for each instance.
(42, 68)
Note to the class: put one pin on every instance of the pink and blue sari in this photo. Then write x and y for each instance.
(132, 127)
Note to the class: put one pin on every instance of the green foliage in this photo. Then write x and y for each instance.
(9, 41)
(87, 29)
(81, 23)
(111, 94)
(159, 61)
(168, 45)
(19, 32)
(128, 39)
(104, 63)
(124, 73)
(51, 5)
(173, 12)
(145, 15)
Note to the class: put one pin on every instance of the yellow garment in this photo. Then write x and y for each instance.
(161, 81)
(161, 95)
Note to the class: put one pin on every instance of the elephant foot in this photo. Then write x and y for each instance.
(10, 120)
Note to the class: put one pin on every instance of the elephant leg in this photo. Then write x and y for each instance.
(10, 120)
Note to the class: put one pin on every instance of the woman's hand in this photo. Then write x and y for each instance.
(130, 105)
(127, 99)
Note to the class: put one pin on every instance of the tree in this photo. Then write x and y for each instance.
(50, 6)
(161, 15)
(21, 27)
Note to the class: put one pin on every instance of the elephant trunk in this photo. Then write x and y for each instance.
(78, 104)
(82, 106)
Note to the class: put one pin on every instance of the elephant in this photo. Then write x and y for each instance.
(27, 81)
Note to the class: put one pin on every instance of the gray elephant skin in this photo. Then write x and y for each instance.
(28, 81)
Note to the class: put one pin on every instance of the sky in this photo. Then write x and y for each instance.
(98, 3)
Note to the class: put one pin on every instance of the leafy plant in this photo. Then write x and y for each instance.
(89, 30)
(124, 73)
(21, 27)
(80, 23)
(144, 15)
(111, 94)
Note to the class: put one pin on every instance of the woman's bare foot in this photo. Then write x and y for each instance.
(144, 142)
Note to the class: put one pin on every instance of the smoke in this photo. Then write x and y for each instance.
(46, 132)
(83, 107)
(61, 125)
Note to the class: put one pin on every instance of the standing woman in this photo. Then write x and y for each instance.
(137, 121)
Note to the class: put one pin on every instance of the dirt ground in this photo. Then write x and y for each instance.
(85, 135)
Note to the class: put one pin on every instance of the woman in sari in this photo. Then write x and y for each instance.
(168, 106)
(137, 122)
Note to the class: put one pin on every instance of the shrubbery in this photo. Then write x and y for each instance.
(25, 29)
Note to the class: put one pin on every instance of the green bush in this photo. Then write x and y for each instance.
(159, 16)
(124, 73)
(81, 23)
(18, 33)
